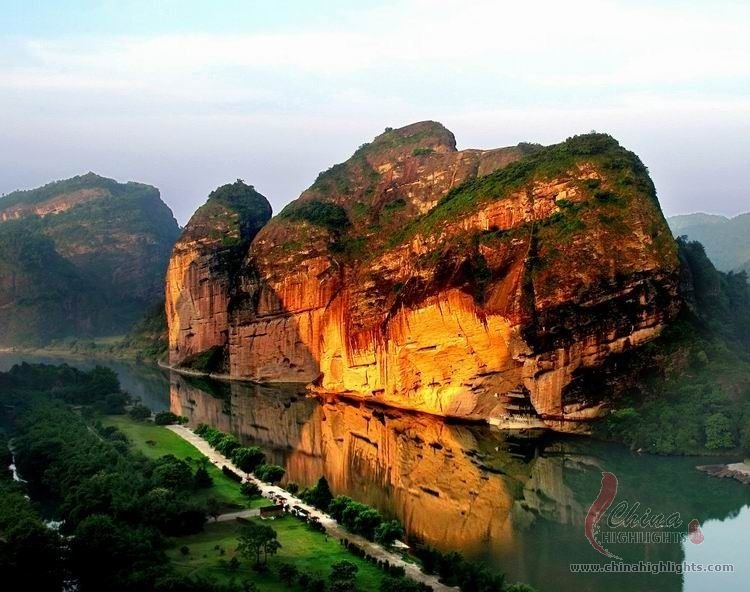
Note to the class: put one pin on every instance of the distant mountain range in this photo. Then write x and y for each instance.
(727, 240)
(81, 257)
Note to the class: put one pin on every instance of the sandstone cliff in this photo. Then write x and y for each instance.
(202, 271)
(476, 284)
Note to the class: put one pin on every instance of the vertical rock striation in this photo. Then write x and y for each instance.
(202, 270)
(476, 284)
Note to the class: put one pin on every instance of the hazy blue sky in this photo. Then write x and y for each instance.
(188, 95)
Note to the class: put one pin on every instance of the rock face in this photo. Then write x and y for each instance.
(475, 284)
(80, 257)
(204, 265)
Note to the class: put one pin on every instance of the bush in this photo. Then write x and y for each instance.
(319, 496)
(250, 490)
(114, 404)
(288, 572)
(166, 418)
(343, 576)
(270, 473)
(248, 458)
(231, 474)
(202, 479)
(328, 215)
(292, 488)
(227, 445)
(719, 432)
(387, 532)
(356, 517)
(139, 412)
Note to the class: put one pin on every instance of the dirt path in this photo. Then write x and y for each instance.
(228, 517)
(332, 527)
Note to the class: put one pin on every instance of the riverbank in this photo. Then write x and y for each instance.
(155, 441)
(81, 354)
(332, 528)
(737, 471)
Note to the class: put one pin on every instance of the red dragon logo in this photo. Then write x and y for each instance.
(601, 504)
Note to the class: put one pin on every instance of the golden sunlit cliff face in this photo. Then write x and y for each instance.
(204, 263)
(457, 486)
(476, 284)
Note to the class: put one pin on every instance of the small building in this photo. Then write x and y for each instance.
(271, 511)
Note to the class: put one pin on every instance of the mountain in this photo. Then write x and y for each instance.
(81, 257)
(475, 284)
(204, 264)
(726, 240)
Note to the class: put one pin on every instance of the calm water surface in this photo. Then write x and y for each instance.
(515, 503)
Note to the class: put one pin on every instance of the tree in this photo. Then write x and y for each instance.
(366, 521)
(292, 488)
(227, 445)
(173, 473)
(248, 458)
(106, 554)
(256, 540)
(338, 505)
(202, 479)
(343, 576)
(719, 432)
(250, 490)
(165, 418)
(387, 532)
(319, 496)
(139, 412)
(213, 507)
(114, 404)
(270, 473)
(288, 572)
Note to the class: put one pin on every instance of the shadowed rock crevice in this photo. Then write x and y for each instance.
(473, 284)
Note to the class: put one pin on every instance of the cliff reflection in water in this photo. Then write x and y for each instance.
(517, 504)
(458, 486)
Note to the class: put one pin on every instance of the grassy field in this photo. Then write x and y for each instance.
(155, 441)
(311, 552)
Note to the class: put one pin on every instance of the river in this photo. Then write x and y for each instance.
(517, 504)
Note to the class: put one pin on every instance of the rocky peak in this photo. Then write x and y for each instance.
(205, 267)
(479, 284)
(387, 183)
(232, 216)
(424, 136)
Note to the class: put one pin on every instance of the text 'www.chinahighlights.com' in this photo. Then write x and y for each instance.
(652, 567)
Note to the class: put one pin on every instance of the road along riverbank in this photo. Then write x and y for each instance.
(332, 527)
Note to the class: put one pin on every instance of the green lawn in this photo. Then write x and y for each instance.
(311, 552)
(155, 441)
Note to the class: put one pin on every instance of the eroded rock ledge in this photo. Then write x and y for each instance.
(475, 284)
